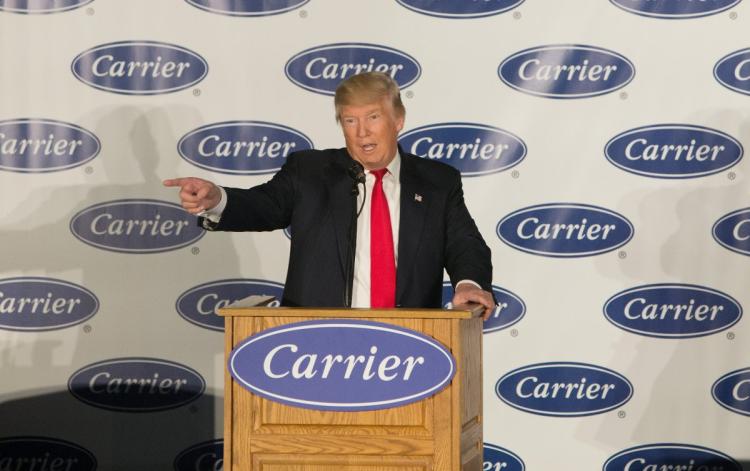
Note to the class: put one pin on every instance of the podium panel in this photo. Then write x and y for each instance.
(442, 432)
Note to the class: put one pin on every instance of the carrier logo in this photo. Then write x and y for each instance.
(671, 9)
(41, 6)
(733, 71)
(43, 453)
(501, 459)
(564, 389)
(674, 456)
(44, 145)
(732, 231)
(474, 149)
(136, 226)
(39, 304)
(673, 151)
(248, 7)
(565, 230)
(206, 456)
(732, 391)
(342, 365)
(241, 147)
(566, 71)
(139, 67)
(672, 310)
(460, 8)
(136, 384)
(509, 309)
(321, 69)
(200, 305)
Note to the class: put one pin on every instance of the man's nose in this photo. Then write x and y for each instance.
(362, 130)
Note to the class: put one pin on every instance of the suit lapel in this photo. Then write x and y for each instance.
(341, 204)
(415, 200)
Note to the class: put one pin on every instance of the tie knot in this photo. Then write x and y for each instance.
(379, 173)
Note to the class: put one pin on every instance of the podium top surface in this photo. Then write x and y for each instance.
(470, 311)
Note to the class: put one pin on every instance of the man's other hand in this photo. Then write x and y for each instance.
(468, 293)
(196, 194)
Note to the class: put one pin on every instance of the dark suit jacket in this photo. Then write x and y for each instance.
(312, 193)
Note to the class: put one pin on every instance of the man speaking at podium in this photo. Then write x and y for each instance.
(372, 226)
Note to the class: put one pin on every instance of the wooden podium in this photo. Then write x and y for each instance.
(440, 433)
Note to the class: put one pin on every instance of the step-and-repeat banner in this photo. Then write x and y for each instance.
(602, 150)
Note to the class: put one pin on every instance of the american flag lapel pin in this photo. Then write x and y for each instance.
(417, 197)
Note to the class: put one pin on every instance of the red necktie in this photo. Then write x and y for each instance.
(382, 259)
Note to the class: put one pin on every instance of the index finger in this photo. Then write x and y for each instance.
(174, 181)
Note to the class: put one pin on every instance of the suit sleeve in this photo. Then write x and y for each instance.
(467, 256)
(265, 207)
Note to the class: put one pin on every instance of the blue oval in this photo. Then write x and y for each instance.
(41, 6)
(460, 8)
(136, 226)
(671, 456)
(35, 304)
(509, 310)
(199, 304)
(241, 147)
(320, 69)
(732, 231)
(16, 453)
(732, 391)
(590, 389)
(733, 71)
(139, 67)
(672, 310)
(670, 9)
(136, 384)
(473, 149)
(248, 7)
(673, 151)
(565, 230)
(45, 145)
(498, 458)
(407, 366)
(538, 71)
(205, 456)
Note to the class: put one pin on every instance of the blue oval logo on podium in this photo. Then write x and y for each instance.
(205, 456)
(139, 67)
(566, 71)
(733, 71)
(565, 230)
(241, 147)
(671, 9)
(38, 304)
(500, 459)
(473, 149)
(248, 7)
(41, 6)
(136, 384)
(199, 304)
(45, 145)
(136, 226)
(564, 389)
(342, 365)
(25, 452)
(732, 391)
(320, 69)
(671, 456)
(509, 309)
(672, 311)
(460, 8)
(673, 151)
(732, 231)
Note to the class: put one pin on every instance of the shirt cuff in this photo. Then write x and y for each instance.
(470, 282)
(214, 214)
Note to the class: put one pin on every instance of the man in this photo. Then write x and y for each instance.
(382, 247)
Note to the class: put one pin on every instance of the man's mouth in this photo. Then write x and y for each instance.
(368, 147)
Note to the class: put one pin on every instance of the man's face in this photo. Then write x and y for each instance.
(371, 133)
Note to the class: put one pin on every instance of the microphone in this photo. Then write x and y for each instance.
(357, 173)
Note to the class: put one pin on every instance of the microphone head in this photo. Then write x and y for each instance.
(356, 171)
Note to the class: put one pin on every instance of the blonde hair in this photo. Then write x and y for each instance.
(366, 88)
